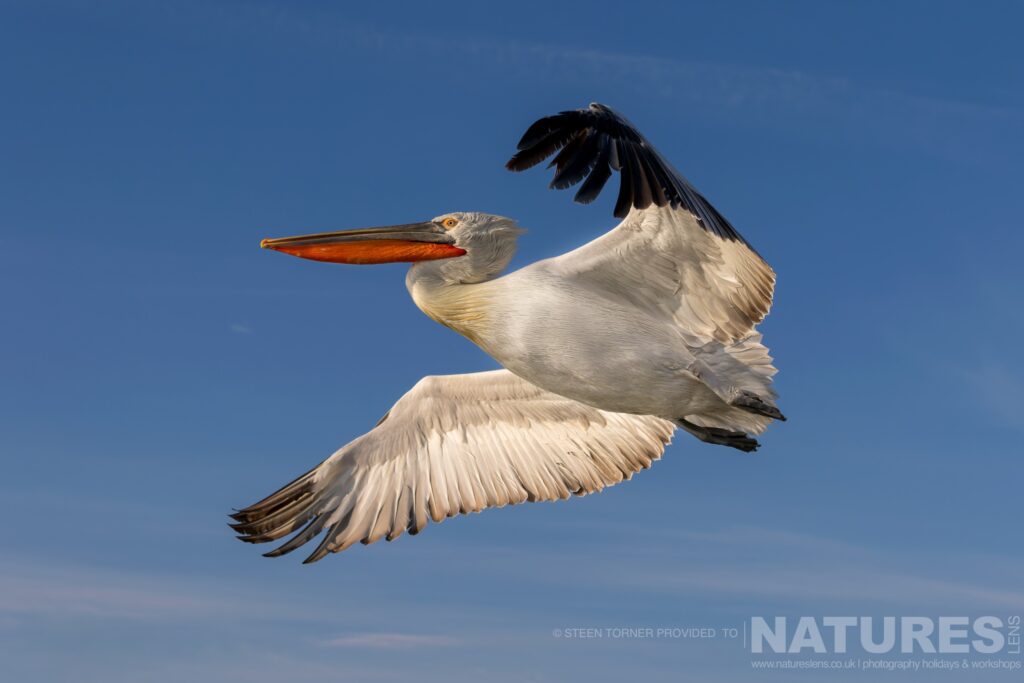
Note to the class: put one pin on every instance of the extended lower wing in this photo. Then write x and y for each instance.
(455, 444)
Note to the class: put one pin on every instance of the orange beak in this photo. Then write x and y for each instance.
(411, 242)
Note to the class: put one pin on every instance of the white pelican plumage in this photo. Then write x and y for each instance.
(606, 349)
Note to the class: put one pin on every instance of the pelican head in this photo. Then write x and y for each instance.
(470, 246)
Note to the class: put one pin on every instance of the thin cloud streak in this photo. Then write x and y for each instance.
(833, 583)
(25, 592)
(37, 589)
(791, 567)
(998, 389)
(779, 97)
(391, 640)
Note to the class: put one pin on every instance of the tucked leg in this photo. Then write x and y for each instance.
(755, 404)
(721, 437)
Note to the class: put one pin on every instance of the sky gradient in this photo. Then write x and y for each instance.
(157, 368)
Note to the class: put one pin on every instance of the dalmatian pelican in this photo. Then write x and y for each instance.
(605, 350)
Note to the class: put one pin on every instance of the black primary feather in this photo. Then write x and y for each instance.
(567, 153)
(599, 174)
(593, 142)
(580, 165)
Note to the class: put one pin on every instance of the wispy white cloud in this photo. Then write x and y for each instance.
(37, 588)
(768, 95)
(391, 640)
(997, 388)
(784, 568)
(240, 329)
(833, 583)
(821, 571)
(29, 589)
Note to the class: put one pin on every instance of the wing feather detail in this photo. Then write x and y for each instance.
(662, 261)
(453, 445)
(674, 252)
(614, 144)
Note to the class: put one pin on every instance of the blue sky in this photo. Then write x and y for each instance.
(158, 368)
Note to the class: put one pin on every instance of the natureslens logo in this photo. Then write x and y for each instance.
(954, 635)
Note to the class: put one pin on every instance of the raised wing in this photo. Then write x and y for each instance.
(455, 444)
(661, 260)
(674, 251)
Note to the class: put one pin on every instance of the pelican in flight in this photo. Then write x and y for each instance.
(606, 350)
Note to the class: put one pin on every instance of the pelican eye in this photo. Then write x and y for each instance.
(449, 223)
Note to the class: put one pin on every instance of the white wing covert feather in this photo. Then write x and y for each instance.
(673, 250)
(455, 444)
(660, 258)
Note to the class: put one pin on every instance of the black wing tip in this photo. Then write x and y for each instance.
(279, 514)
(516, 165)
(593, 142)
